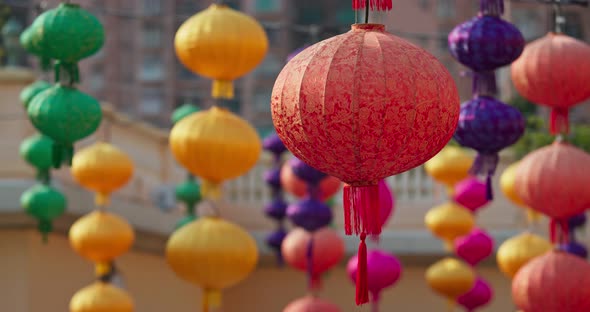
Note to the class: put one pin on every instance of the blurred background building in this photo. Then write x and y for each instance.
(138, 72)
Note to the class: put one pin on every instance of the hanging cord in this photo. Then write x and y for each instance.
(559, 19)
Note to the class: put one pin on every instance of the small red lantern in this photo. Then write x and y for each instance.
(554, 180)
(554, 71)
(554, 282)
(363, 106)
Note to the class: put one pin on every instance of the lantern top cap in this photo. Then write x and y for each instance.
(368, 27)
(218, 6)
(69, 5)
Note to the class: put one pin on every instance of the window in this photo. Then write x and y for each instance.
(183, 73)
(152, 7)
(573, 25)
(96, 79)
(270, 67)
(126, 66)
(234, 4)
(528, 22)
(152, 102)
(268, 6)
(262, 101)
(184, 7)
(152, 68)
(446, 9)
(151, 35)
(424, 4)
(443, 41)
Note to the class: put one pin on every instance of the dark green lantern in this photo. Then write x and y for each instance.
(183, 111)
(45, 204)
(67, 34)
(188, 192)
(37, 150)
(30, 91)
(66, 115)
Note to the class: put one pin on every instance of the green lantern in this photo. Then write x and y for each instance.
(45, 204)
(30, 91)
(66, 115)
(37, 150)
(67, 34)
(33, 46)
(189, 192)
(183, 111)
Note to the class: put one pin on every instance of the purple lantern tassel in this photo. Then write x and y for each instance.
(312, 279)
(484, 84)
(491, 7)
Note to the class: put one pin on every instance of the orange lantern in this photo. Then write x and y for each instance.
(554, 71)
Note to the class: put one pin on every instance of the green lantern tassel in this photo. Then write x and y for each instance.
(62, 154)
(45, 63)
(44, 176)
(45, 227)
(71, 69)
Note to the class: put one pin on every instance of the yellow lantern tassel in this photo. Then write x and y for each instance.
(451, 305)
(449, 246)
(101, 199)
(211, 299)
(211, 190)
(102, 269)
(450, 190)
(223, 89)
(533, 216)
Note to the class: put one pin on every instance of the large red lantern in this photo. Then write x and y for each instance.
(554, 180)
(554, 282)
(554, 71)
(363, 106)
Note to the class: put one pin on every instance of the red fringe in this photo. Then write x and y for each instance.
(559, 231)
(361, 210)
(362, 287)
(376, 5)
(559, 121)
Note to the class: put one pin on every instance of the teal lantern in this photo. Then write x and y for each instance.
(188, 192)
(37, 150)
(183, 111)
(45, 204)
(66, 115)
(30, 91)
(67, 34)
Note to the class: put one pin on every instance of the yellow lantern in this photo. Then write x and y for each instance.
(221, 44)
(215, 145)
(102, 168)
(507, 185)
(101, 297)
(450, 278)
(212, 253)
(449, 221)
(517, 251)
(101, 237)
(449, 166)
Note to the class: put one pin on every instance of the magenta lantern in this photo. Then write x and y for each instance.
(386, 202)
(383, 270)
(471, 194)
(474, 247)
(480, 295)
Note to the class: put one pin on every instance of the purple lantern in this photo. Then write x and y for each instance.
(310, 214)
(273, 177)
(471, 194)
(276, 209)
(488, 126)
(486, 42)
(577, 221)
(474, 247)
(575, 248)
(480, 295)
(306, 172)
(273, 144)
(274, 240)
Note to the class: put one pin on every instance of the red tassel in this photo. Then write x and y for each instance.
(559, 121)
(361, 210)
(362, 288)
(552, 230)
(376, 5)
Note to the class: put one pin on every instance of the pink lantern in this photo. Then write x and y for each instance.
(311, 304)
(474, 247)
(386, 202)
(471, 194)
(553, 282)
(383, 270)
(480, 295)
(313, 256)
(329, 186)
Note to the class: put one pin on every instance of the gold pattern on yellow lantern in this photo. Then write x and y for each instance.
(101, 297)
(450, 278)
(517, 251)
(101, 237)
(449, 166)
(507, 186)
(449, 221)
(222, 44)
(102, 168)
(215, 145)
(213, 254)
